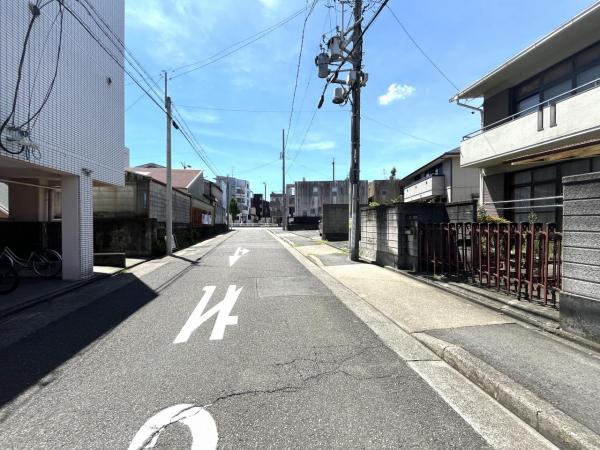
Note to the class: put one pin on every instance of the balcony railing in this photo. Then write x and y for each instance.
(431, 186)
(539, 107)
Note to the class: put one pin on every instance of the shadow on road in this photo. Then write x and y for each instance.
(29, 361)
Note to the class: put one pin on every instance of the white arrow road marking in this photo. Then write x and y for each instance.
(222, 309)
(201, 424)
(237, 255)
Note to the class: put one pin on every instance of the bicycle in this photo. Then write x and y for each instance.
(9, 278)
(45, 263)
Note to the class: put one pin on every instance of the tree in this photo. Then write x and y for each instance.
(234, 209)
(393, 173)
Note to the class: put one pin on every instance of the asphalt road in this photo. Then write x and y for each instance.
(297, 370)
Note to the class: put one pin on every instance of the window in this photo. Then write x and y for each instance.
(528, 103)
(334, 189)
(315, 190)
(587, 76)
(560, 88)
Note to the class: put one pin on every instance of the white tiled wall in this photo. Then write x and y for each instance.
(82, 124)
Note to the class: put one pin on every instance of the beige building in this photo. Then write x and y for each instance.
(442, 180)
(540, 121)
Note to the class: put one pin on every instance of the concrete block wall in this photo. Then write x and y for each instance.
(580, 296)
(335, 222)
(389, 233)
(158, 204)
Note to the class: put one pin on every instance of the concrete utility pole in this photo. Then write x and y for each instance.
(263, 203)
(228, 200)
(284, 209)
(333, 168)
(355, 131)
(169, 237)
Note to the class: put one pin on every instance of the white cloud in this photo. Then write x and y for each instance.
(321, 145)
(395, 92)
(270, 4)
(200, 117)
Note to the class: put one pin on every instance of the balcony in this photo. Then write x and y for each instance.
(425, 189)
(555, 123)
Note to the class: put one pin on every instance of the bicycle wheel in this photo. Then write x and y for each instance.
(9, 279)
(47, 263)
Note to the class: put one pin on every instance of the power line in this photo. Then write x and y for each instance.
(309, 12)
(403, 132)
(441, 72)
(235, 47)
(244, 110)
(185, 131)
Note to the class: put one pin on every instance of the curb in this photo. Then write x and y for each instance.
(521, 313)
(550, 422)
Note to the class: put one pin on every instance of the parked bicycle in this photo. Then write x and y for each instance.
(45, 263)
(9, 279)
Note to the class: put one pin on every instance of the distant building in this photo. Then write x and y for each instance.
(238, 189)
(276, 207)
(442, 180)
(384, 191)
(291, 199)
(310, 196)
(260, 207)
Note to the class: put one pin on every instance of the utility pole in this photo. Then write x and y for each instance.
(333, 168)
(263, 203)
(169, 237)
(284, 208)
(355, 131)
(337, 55)
(228, 200)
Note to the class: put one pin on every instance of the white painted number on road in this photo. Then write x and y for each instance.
(222, 309)
(201, 424)
(237, 255)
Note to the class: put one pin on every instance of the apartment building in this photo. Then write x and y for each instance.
(442, 180)
(239, 190)
(540, 121)
(276, 207)
(384, 191)
(61, 121)
(310, 196)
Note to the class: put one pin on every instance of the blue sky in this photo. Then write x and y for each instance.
(466, 38)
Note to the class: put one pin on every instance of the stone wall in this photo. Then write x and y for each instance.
(389, 233)
(335, 222)
(132, 236)
(580, 296)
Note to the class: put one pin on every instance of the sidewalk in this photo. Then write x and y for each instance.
(33, 289)
(549, 382)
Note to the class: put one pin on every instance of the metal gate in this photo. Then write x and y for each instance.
(519, 259)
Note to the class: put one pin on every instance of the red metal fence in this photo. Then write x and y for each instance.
(520, 259)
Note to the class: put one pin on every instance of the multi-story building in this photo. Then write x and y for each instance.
(61, 120)
(235, 188)
(385, 191)
(442, 180)
(290, 189)
(276, 207)
(310, 196)
(540, 121)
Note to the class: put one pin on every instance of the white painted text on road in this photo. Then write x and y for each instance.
(221, 309)
(237, 255)
(201, 424)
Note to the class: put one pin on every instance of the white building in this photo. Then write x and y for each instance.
(77, 139)
(240, 191)
(540, 121)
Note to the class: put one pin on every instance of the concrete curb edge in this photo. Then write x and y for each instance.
(550, 422)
